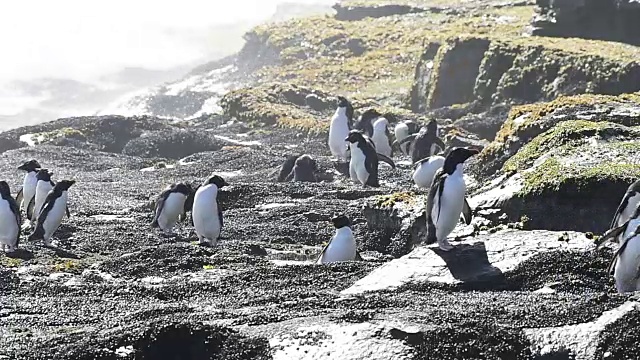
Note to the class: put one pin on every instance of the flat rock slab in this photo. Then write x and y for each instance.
(482, 259)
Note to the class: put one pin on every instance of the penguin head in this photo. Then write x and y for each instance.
(217, 180)
(457, 156)
(31, 165)
(4, 189)
(369, 115)
(64, 185)
(343, 102)
(43, 175)
(306, 162)
(392, 118)
(355, 136)
(340, 221)
(183, 188)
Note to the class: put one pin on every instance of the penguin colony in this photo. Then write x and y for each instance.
(436, 169)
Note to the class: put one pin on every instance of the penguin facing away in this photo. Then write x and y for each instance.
(28, 190)
(52, 213)
(43, 186)
(299, 168)
(339, 128)
(625, 264)
(10, 220)
(425, 143)
(364, 159)
(170, 204)
(627, 206)
(287, 168)
(381, 137)
(446, 200)
(365, 124)
(402, 130)
(342, 246)
(425, 170)
(207, 214)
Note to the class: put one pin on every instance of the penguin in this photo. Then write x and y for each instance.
(363, 166)
(402, 130)
(53, 210)
(10, 220)
(425, 171)
(170, 204)
(342, 246)
(625, 264)
(365, 124)
(339, 128)
(299, 168)
(28, 190)
(627, 206)
(381, 137)
(207, 214)
(446, 199)
(425, 143)
(287, 168)
(43, 186)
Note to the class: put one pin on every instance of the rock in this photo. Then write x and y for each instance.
(354, 13)
(484, 262)
(171, 144)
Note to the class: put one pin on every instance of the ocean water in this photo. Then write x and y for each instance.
(75, 57)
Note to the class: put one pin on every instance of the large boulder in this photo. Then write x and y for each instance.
(172, 144)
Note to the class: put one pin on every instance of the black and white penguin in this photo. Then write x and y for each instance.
(382, 137)
(28, 190)
(207, 214)
(365, 124)
(53, 210)
(342, 246)
(170, 204)
(43, 186)
(10, 220)
(363, 166)
(625, 264)
(339, 128)
(402, 130)
(627, 206)
(446, 200)
(425, 170)
(299, 168)
(425, 143)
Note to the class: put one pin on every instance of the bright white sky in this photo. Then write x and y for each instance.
(83, 39)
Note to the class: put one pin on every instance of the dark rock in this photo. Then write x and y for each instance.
(487, 124)
(355, 13)
(171, 144)
(356, 46)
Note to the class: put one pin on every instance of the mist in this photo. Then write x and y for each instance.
(72, 57)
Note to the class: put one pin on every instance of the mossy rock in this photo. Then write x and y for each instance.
(171, 144)
(528, 121)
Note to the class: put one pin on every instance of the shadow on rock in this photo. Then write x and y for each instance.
(470, 263)
(21, 253)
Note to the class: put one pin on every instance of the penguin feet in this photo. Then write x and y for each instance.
(444, 245)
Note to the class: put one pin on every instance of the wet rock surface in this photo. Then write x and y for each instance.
(113, 288)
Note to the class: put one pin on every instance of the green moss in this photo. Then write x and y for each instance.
(70, 133)
(10, 262)
(384, 201)
(67, 266)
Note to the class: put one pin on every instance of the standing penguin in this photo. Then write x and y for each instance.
(446, 200)
(381, 137)
(170, 204)
(207, 214)
(339, 128)
(342, 246)
(365, 124)
(28, 190)
(43, 186)
(425, 171)
(425, 143)
(627, 206)
(363, 166)
(10, 220)
(402, 130)
(53, 210)
(625, 264)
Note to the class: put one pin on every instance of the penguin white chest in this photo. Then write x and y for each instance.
(380, 138)
(627, 269)
(205, 213)
(28, 189)
(338, 131)
(401, 131)
(172, 208)
(54, 216)
(42, 190)
(357, 166)
(426, 171)
(447, 207)
(8, 225)
(341, 248)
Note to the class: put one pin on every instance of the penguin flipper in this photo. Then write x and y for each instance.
(19, 196)
(32, 204)
(621, 249)
(15, 208)
(466, 212)
(319, 259)
(435, 189)
(623, 204)
(358, 256)
(220, 217)
(439, 143)
(407, 139)
(387, 160)
(612, 234)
